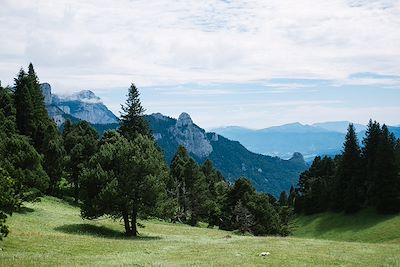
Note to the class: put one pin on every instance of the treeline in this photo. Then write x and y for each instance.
(123, 174)
(366, 176)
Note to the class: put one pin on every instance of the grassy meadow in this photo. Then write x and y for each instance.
(51, 233)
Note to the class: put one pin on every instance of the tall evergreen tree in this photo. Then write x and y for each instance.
(315, 185)
(25, 113)
(133, 121)
(369, 153)
(349, 190)
(387, 190)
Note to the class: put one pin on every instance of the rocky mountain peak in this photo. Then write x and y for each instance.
(184, 120)
(46, 90)
(297, 157)
(86, 96)
(83, 105)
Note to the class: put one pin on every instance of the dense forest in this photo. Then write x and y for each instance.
(366, 176)
(121, 174)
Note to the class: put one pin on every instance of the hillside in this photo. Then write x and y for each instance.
(364, 226)
(268, 174)
(51, 233)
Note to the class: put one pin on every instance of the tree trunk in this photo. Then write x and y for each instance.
(128, 230)
(76, 191)
(133, 222)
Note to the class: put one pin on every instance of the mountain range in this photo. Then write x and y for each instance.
(272, 158)
(324, 138)
(268, 174)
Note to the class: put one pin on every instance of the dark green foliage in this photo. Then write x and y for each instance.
(24, 165)
(369, 151)
(387, 193)
(125, 179)
(315, 186)
(8, 201)
(352, 180)
(133, 121)
(33, 121)
(24, 105)
(81, 143)
(188, 185)
(54, 160)
(232, 159)
(246, 210)
(217, 188)
(292, 197)
(283, 199)
(18, 157)
(349, 188)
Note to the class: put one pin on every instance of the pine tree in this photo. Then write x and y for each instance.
(124, 179)
(133, 121)
(25, 113)
(369, 153)
(350, 191)
(315, 184)
(37, 97)
(387, 190)
(81, 143)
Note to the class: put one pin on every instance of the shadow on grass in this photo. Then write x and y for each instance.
(24, 210)
(340, 223)
(100, 231)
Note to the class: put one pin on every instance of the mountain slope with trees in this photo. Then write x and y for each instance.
(268, 174)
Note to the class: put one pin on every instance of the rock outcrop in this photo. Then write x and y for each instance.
(191, 136)
(84, 105)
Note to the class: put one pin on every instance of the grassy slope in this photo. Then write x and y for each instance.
(365, 226)
(51, 233)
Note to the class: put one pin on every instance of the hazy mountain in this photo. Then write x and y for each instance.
(268, 174)
(284, 140)
(84, 105)
(311, 140)
(339, 126)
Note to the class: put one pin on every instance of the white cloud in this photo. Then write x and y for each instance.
(93, 44)
(170, 42)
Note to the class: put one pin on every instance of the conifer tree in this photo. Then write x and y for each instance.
(189, 187)
(349, 189)
(369, 153)
(25, 113)
(133, 121)
(81, 143)
(387, 190)
(124, 179)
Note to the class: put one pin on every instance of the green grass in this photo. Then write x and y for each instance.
(365, 226)
(51, 233)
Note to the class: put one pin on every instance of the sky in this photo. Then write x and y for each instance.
(250, 63)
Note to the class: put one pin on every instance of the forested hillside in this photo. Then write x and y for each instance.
(122, 174)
